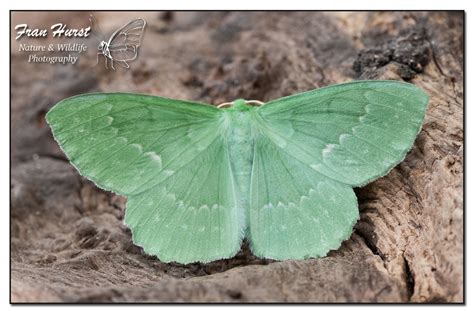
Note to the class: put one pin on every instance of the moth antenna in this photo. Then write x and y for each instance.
(255, 102)
(225, 104)
(252, 102)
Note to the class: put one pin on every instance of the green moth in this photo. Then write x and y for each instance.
(199, 178)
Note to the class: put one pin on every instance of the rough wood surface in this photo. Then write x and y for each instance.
(68, 239)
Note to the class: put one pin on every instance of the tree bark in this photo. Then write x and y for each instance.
(68, 241)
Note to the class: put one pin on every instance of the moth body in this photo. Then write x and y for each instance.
(240, 141)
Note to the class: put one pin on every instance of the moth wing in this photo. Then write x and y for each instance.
(295, 212)
(311, 148)
(193, 215)
(353, 133)
(168, 157)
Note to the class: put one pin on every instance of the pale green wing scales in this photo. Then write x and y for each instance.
(169, 158)
(195, 177)
(193, 215)
(312, 148)
(127, 143)
(295, 212)
(353, 132)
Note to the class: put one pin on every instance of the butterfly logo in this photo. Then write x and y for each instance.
(122, 46)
